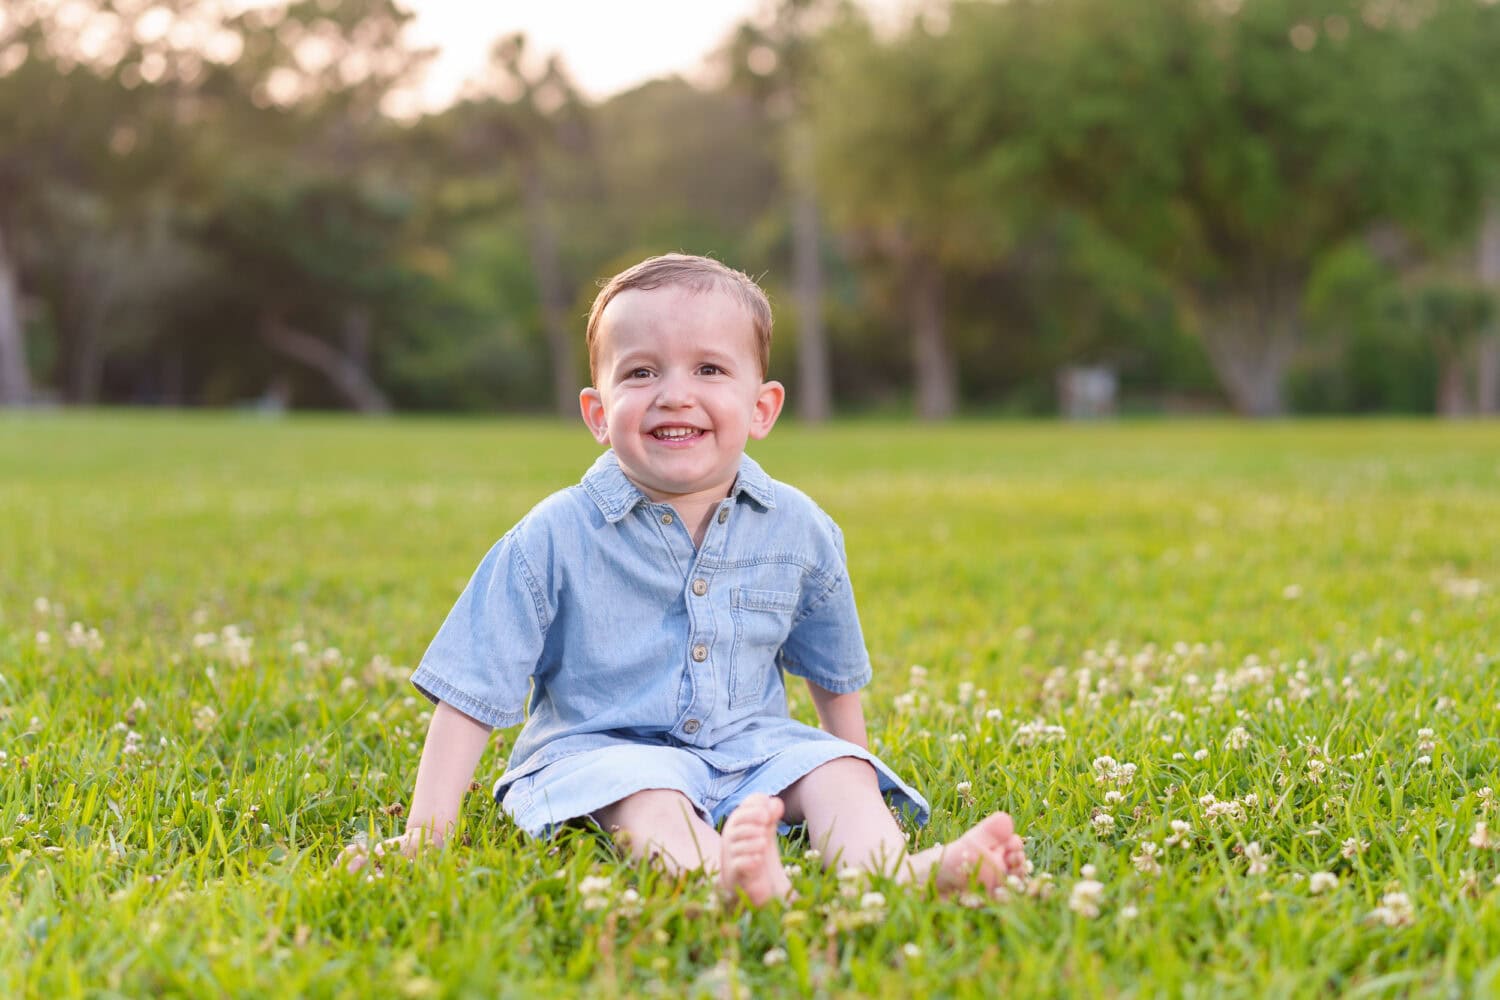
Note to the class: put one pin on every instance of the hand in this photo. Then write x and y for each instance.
(407, 845)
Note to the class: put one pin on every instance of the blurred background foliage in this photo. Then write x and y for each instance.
(1264, 206)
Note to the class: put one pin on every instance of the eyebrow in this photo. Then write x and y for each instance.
(642, 355)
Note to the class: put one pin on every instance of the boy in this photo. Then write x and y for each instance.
(653, 609)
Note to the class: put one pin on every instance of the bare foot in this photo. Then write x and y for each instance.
(988, 852)
(751, 864)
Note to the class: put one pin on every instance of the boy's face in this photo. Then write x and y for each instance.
(679, 390)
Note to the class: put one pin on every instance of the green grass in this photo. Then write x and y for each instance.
(169, 806)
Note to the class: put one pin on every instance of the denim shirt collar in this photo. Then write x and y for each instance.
(617, 496)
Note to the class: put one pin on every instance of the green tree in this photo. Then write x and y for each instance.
(524, 130)
(773, 58)
(927, 163)
(1230, 144)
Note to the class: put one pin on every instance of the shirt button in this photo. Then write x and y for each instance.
(723, 514)
(700, 652)
(700, 587)
(666, 519)
(690, 726)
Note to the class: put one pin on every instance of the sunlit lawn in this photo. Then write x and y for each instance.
(1289, 630)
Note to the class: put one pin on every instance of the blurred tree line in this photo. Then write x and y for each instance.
(1269, 205)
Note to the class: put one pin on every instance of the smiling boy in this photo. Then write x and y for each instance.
(652, 612)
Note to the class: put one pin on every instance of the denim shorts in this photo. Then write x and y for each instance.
(576, 786)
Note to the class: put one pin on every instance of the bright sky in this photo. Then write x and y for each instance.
(606, 45)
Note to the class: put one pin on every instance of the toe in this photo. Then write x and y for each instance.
(997, 828)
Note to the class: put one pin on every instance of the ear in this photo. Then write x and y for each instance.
(767, 409)
(591, 405)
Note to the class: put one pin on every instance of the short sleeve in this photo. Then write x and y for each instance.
(482, 658)
(826, 644)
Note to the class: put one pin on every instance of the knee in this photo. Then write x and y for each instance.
(647, 808)
(830, 780)
(845, 771)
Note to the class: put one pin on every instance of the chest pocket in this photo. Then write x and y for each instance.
(762, 621)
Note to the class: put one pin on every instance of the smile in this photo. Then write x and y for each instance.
(676, 433)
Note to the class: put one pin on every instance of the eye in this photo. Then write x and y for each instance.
(709, 369)
(638, 373)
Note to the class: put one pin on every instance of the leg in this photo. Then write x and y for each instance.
(847, 819)
(662, 825)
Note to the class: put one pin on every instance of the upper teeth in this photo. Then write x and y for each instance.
(674, 432)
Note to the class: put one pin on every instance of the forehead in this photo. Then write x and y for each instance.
(676, 315)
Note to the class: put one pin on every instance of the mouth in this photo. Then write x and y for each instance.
(677, 434)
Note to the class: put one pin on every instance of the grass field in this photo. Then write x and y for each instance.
(1289, 631)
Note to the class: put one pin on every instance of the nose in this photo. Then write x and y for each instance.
(674, 391)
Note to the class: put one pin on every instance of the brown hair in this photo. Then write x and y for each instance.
(698, 274)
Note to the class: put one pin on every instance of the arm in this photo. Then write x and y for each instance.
(840, 714)
(454, 745)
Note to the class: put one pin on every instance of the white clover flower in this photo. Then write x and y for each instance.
(204, 718)
(1145, 860)
(1103, 822)
(1321, 882)
(1422, 761)
(41, 606)
(1315, 769)
(1031, 733)
(1233, 810)
(1085, 897)
(1129, 912)
(911, 950)
(1181, 835)
(1482, 838)
(1395, 910)
(1353, 846)
(994, 715)
(593, 884)
(872, 901)
(205, 639)
(1258, 863)
(1108, 771)
(43, 638)
(1200, 754)
(1238, 738)
(1425, 740)
(918, 676)
(773, 956)
(1291, 592)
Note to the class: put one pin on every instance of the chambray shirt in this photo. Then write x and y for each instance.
(596, 621)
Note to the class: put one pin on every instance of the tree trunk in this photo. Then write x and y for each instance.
(1487, 385)
(936, 374)
(814, 381)
(547, 269)
(1251, 336)
(1453, 390)
(15, 380)
(346, 375)
(1487, 393)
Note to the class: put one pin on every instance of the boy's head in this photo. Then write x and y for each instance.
(677, 349)
(699, 274)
